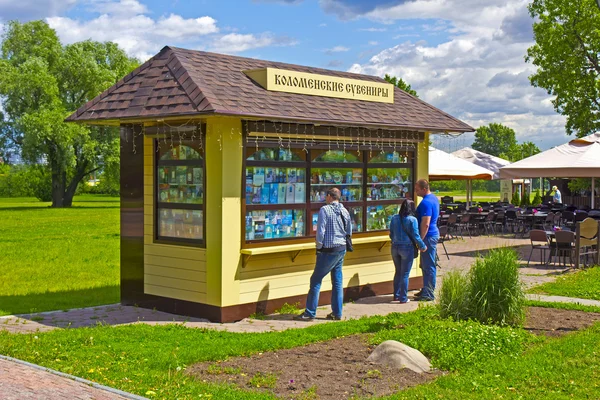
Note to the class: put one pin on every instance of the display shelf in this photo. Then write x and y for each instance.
(336, 184)
(296, 249)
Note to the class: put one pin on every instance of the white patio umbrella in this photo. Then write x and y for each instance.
(445, 166)
(482, 159)
(579, 158)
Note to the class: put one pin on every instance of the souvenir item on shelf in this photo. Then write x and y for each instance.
(299, 194)
(337, 177)
(290, 194)
(274, 193)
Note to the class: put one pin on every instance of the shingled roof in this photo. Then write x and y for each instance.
(179, 82)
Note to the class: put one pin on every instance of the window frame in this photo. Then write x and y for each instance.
(308, 206)
(179, 206)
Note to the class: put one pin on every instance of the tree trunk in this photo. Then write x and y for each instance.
(80, 173)
(58, 190)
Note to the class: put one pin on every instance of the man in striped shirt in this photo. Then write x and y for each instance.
(332, 226)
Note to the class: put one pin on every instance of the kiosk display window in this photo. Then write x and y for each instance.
(180, 194)
(284, 188)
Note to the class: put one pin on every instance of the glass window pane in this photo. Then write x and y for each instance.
(389, 183)
(274, 154)
(355, 214)
(181, 152)
(182, 224)
(348, 180)
(389, 157)
(379, 217)
(337, 156)
(274, 224)
(180, 184)
(275, 185)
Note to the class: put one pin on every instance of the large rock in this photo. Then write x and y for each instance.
(398, 355)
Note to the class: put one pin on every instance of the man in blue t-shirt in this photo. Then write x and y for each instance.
(428, 212)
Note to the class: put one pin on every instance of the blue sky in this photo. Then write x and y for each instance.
(465, 57)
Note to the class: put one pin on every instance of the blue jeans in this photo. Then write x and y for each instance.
(428, 267)
(403, 256)
(326, 263)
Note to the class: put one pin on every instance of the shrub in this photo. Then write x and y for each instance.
(537, 199)
(490, 293)
(525, 200)
(454, 296)
(516, 200)
(26, 181)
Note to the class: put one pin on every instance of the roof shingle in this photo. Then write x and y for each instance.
(186, 82)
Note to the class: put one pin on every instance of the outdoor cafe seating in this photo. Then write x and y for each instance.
(566, 244)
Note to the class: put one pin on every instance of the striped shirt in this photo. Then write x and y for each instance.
(331, 231)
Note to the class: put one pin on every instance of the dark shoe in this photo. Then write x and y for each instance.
(303, 317)
(420, 298)
(418, 294)
(333, 317)
(404, 302)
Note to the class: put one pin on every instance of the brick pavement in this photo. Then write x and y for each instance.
(23, 382)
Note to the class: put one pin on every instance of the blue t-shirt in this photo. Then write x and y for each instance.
(429, 207)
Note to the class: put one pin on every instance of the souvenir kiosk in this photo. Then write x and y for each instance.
(225, 162)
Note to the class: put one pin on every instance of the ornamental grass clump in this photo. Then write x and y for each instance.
(496, 292)
(454, 296)
(490, 293)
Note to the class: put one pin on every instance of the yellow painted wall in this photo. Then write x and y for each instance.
(223, 209)
(177, 272)
(215, 275)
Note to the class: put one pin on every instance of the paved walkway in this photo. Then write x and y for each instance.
(18, 381)
(462, 253)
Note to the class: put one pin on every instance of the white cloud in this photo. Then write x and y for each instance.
(478, 74)
(129, 24)
(122, 7)
(27, 10)
(336, 49)
(373, 43)
(373, 29)
(235, 42)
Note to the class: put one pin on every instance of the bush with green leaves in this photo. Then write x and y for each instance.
(26, 181)
(516, 200)
(491, 292)
(525, 199)
(537, 199)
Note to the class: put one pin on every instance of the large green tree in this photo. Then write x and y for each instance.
(399, 82)
(501, 141)
(567, 56)
(495, 139)
(41, 83)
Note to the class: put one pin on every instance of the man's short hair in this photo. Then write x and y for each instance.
(423, 184)
(334, 193)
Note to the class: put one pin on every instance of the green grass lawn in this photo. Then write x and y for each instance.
(584, 284)
(477, 196)
(486, 362)
(151, 360)
(53, 259)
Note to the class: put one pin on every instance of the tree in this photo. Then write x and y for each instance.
(495, 139)
(399, 82)
(567, 56)
(41, 83)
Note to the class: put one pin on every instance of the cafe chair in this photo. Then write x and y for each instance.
(443, 238)
(557, 219)
(567, 219)
(464, 223)
(489, 223)
(587, 241)
(451, 224)
(539, 241)
(500, 221)
(548, 222)
(564, 242)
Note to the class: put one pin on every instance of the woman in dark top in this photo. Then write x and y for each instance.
(403, 231)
